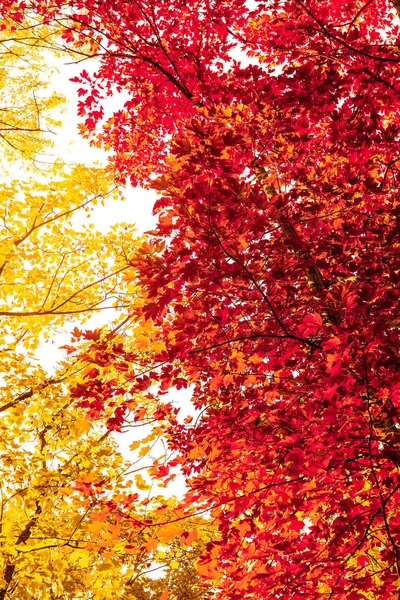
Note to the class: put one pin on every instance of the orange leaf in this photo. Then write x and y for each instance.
(169, 532)
(208, 571)
(151, 545)
(191, 537)
(215, 382)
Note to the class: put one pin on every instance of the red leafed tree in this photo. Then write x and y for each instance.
(275, 135)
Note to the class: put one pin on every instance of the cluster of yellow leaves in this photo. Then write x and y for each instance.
(49, 272)
(29, 114)
(45, 519)
(63, 533)
(52, 267)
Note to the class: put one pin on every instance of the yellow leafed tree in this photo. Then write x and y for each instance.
(71, 526)
(70, 520)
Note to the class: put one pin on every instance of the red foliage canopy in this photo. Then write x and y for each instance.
(275, 134)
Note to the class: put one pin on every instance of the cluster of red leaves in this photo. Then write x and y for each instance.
(276, 296)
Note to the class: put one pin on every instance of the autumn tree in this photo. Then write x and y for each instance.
(72, 520)
(271, 279)
(50, 272)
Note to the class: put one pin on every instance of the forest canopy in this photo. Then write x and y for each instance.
(268, 289)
